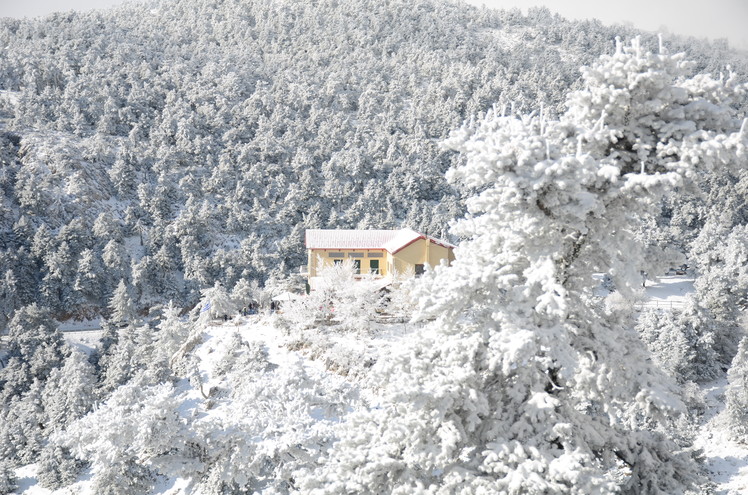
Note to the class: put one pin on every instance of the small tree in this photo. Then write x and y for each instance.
(736, 410)
(70, 391)
(57, 467)
(245, 292)
(8, 480)
(122, 309)
(216, 302)
(338, 297)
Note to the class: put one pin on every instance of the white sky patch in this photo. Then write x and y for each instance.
(36, 8)
(714, 19)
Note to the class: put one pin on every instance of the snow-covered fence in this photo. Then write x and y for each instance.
(656, 304)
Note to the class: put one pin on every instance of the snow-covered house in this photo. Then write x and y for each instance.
(379, 252)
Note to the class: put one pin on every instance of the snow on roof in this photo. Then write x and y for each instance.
(389, 240)
(401, 239)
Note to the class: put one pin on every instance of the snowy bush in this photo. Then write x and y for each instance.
(242, 356)
(340, 298)
(136, 428)
(281, 420)
(8, 481)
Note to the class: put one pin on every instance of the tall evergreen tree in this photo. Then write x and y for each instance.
(121, 307)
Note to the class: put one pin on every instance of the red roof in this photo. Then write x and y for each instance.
(388, 240)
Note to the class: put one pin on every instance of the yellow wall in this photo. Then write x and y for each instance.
(403, 262)
(438, 253)
(314, 255)
(411, 255)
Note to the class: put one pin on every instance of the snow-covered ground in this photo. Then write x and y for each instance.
(667, 292)
(79, 325)
(83, 334)
(726, 460)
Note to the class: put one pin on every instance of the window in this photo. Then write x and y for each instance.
(355, 255)
(335, 255)
(374, 267)
(357, 267)
(337, 262)
(419, 269)
(375, 254)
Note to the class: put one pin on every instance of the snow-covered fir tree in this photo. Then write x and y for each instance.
(216, 302)
(736, 408)
(121, 307)
(8, 480)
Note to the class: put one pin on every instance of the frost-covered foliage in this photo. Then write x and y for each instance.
(122, 310)
(70, 391)
(180, 142)
(57, 467)
(135, 421)
(8, 481)
(683, 343)
(523, 384)
(282, 419)
(722, 284)
(216, 302)
(340, 298)
(35, 348)
(736, 410)
(248, 430)
(666, 339)
(35, 353)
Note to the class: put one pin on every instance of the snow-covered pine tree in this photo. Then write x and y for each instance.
(665, 338)
(736, 410)
(119, 364)
(216, 302)
(523, 384)
(8, 297)
(89, 278)
(8, 480)
(121, 306)
(69, 392)
(170, 335)
(57, 467)
(683, 343)
(34, 350)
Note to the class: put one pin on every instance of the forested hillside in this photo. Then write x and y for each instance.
(160, 162)
(178, 143)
